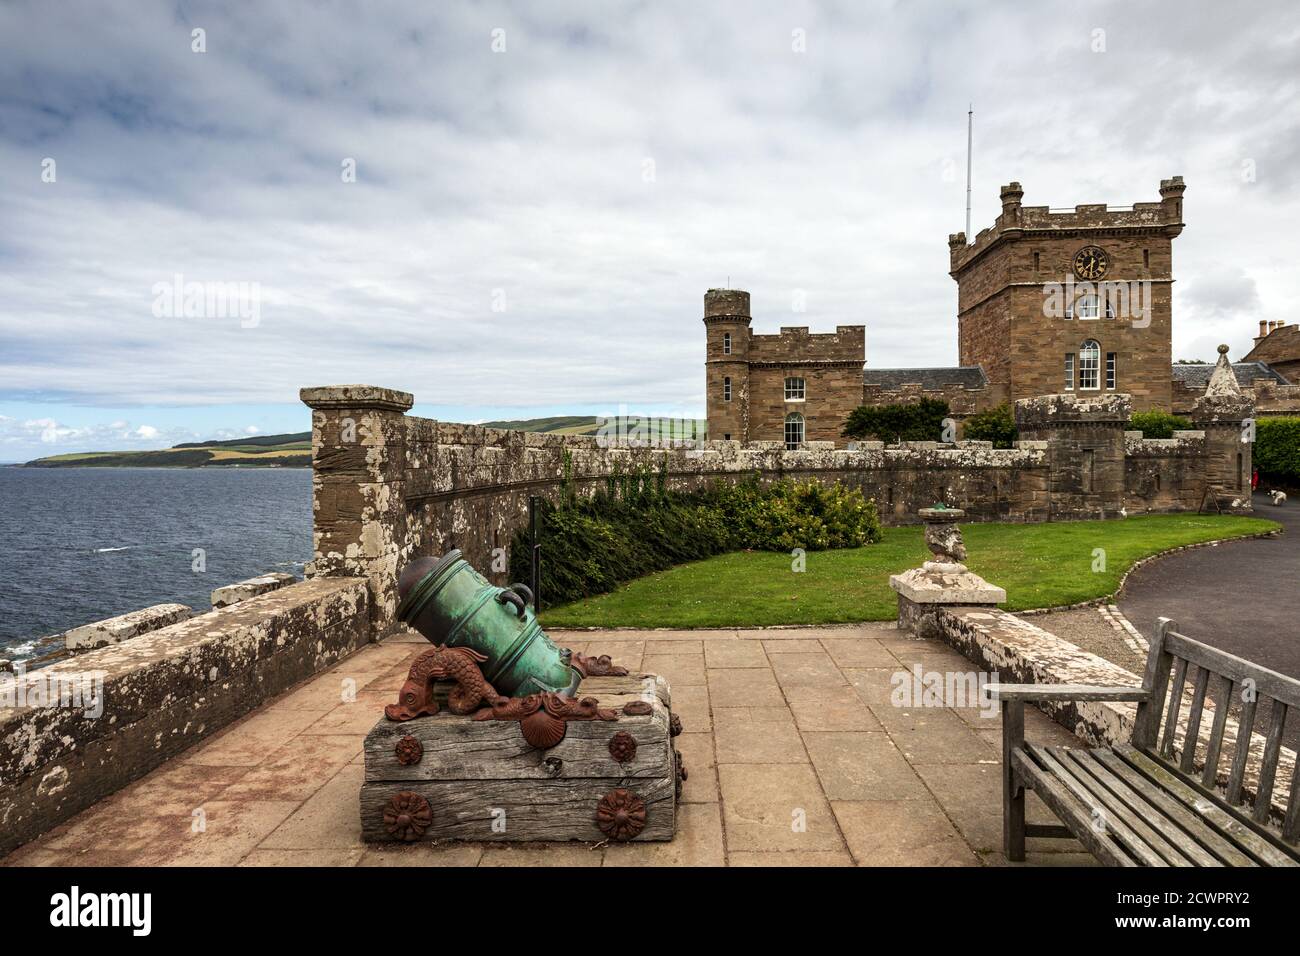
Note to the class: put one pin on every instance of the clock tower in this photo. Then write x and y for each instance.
(1071, 301)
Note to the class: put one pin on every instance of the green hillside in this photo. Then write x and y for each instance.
(265, 451)
(590, 424)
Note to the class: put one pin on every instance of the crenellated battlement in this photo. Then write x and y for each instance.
(1018, 221)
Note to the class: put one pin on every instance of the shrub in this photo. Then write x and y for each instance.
(922, 421)
(997, 425)
(1277, 448)
(634, 526)
(1157, 424)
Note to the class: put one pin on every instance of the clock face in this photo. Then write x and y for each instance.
(1091, 262)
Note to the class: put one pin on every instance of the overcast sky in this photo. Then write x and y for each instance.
(544, 191)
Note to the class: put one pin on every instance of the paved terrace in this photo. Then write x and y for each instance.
(775, 721)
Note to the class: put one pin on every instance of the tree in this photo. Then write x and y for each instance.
(997, 425)
(921, 421)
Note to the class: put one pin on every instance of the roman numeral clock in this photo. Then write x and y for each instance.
(1091, 263)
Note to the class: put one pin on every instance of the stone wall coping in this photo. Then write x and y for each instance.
(229, 594)
(125, 626)
(1068, 408)
(356, 396)
(176, 639)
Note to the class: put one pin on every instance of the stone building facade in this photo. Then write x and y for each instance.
(1078, 302)
(1278, 345)
(1071, 301)
(793, 387)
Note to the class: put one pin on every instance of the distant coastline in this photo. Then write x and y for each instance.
(268, 451)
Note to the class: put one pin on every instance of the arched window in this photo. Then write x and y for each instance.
(793, 431)
(1089, 365)
(794, 390)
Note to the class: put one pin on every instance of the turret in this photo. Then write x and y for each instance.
(726, 364)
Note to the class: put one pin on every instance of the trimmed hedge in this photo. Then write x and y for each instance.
(1277, 448)
(1157, 424)
(635, 527)
(922, 421)
(997, 425)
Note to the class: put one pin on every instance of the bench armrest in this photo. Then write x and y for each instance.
(1064, 692)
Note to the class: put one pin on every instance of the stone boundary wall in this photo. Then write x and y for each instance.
(1023, 653)
(389, 487)
(149, 698)
(1271, 399)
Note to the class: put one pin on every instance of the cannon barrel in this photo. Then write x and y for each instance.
(451, 604)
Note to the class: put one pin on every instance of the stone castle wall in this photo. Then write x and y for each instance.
(389, 487)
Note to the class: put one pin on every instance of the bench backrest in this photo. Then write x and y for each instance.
(1175, 661)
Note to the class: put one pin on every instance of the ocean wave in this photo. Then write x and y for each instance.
(106, 550)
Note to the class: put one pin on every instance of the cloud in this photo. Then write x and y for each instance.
(538, 226)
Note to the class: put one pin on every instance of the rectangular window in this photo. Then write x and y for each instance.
(726, 343)
(1110, 370)
(794, 390)
(1088, 371)
(726, 389)
(1087, 307)
(1146, 258)
(1110, 304)
(1035, 262)
(793, 432)
(1069, 371)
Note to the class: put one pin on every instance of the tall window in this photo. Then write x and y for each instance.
(1069, 371)
(726, 343)
(793, 431)
(1110, 370)
(1089, 365)
(726, 389)
(794, 390)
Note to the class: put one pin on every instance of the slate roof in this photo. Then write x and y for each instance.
(1248, 373)
(970, 376)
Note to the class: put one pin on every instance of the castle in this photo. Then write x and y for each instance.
(1049, 301)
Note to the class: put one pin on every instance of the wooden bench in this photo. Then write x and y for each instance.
(1136, 804)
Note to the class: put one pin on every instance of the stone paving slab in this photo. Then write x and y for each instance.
(796, 751)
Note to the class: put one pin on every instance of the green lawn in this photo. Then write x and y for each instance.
(1040, 565)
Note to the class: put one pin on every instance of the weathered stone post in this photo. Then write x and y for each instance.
(945, 581)
(1223, 413)
(1085, 451)
(358, 459)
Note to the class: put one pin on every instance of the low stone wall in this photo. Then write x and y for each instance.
(123, 627)
(1023, 653)
(80, 729)
(229, 594)
(389, 487)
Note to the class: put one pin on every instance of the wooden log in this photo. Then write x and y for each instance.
(483, 781)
